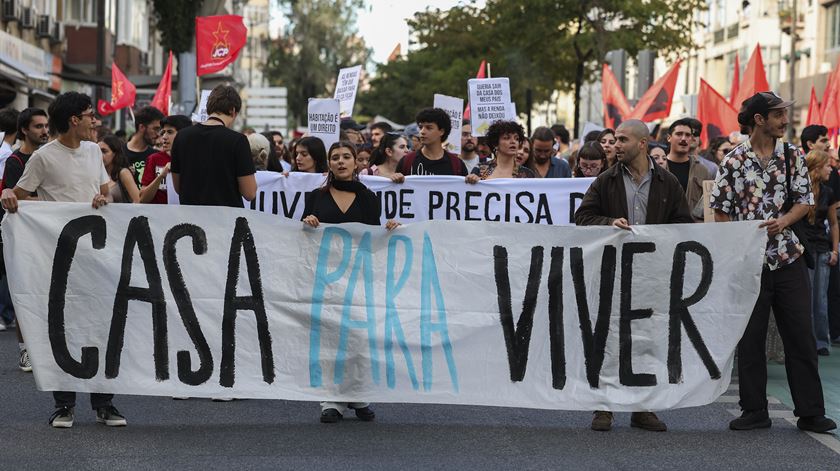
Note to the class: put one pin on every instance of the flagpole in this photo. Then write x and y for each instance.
(489, 75)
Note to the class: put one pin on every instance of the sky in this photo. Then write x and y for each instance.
(383, 25)
(383, 22)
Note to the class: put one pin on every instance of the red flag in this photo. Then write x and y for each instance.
(719, 118)
(831, 100)
(482, 73)
(616, 108)
(123, 93)
(736, 79)
(814, 113)
(755, 78)
(218, 40)
(656, 102)
(164, 89)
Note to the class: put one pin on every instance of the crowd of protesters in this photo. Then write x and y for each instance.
(66, 154)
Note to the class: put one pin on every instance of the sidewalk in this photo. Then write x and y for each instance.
(777, 385)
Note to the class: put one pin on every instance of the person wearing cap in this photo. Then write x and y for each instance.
(353, 131)
(765, 170)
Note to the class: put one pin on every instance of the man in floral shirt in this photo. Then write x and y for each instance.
(752, 184)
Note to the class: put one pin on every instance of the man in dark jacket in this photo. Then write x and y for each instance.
(636, 191)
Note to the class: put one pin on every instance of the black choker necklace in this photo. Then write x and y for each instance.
(214, 118)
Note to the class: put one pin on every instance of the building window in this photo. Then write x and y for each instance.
(833, 26)
(79, 11)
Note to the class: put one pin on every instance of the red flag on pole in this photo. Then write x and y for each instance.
(814, 113)
(123, 93)
(616, 108)
(656, 102)
(755, 78)
(164, 90)
(736, 79)
(831, 100)
(482, 73)
(719, 118)
(218, 40)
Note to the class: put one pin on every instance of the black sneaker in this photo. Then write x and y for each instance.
(62, 417)
(330, 416)
(750, 420)
(365, 414)
(110, 416)
(818, 424)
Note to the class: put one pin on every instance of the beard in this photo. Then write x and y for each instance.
(468, 147)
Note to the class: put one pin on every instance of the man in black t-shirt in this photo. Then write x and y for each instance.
(432, 159)
(211, 164)
(688, 170)
(33, 131)
(139, 147)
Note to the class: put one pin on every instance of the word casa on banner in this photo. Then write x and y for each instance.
(356, 313)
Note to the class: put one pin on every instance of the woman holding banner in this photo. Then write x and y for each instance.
(504, 139)
(343, 198)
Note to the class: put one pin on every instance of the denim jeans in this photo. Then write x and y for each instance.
(819, 300)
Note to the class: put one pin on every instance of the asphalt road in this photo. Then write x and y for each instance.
(258, 434)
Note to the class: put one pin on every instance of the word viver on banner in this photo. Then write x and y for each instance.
(209, 301)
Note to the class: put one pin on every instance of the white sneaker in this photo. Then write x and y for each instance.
(23, 362)
(222, 399)
(2, 326)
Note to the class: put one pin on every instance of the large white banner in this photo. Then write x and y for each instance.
(189, 301)
(550, 201)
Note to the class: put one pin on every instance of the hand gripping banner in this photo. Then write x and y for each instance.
(205, 301)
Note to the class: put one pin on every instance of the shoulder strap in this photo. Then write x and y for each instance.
(455, 161)
(408, 161)
(788, 155)
(22, 165)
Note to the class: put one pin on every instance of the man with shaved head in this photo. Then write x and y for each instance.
(635, 191)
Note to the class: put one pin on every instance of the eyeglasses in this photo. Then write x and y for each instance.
(91, 114)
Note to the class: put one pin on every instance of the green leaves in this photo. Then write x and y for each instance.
(318, 39)
(176, 23)
(539, 44)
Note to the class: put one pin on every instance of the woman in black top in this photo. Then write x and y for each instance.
(821, 246)
(343, 198)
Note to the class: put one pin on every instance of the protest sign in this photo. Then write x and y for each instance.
(345, 89)
(323, 120)
(454, 107)
(550, 201)
(489, 101)
(200, 115)
(589, 127)
(216, 301)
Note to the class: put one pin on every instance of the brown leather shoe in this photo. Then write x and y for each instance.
(647, 421)
(602, 421)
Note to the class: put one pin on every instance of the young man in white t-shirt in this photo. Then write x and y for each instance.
(68, 169)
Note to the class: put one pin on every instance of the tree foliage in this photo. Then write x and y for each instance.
(176, 23)
(541, 45)
(318, 39)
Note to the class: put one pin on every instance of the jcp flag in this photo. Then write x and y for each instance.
(533, 200)
(189, 301)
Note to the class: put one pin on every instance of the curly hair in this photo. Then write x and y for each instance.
(437, 116)
(499, 129)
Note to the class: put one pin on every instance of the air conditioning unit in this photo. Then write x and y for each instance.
(44, 29)
(11, 10)
(27, 18)
(57, 33)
